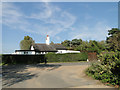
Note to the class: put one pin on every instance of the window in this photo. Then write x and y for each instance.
(25, 52)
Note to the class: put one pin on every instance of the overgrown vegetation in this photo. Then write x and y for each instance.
(108, 69)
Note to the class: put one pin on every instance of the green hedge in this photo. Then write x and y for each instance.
(25, 59)
(108, 69)
(51, 57)
(71, 57)
(0, 59)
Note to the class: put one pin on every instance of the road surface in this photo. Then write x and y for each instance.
(54, 75)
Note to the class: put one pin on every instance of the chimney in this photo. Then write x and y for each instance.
(47, 40)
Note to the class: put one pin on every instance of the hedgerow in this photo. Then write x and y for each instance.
(50, 57)
(71, 57)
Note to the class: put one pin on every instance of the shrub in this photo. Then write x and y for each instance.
(19, 59)
(108, 70)
(50, 57)
(71, 57)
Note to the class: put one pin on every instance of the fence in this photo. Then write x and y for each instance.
(92, 56)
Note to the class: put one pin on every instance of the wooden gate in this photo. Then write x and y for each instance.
(92, 56)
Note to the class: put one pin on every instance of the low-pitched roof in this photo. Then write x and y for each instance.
(48, 48)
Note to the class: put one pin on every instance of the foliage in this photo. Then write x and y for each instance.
(108, 70)
(50, 57)
(0, 59)
(26, 43)
(80, 45)
(72, 44)
(113, 40)
(52, 43)
(22, 59)
(76, 42)
(71, 57)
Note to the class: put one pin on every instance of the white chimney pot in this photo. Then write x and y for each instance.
(47, 40)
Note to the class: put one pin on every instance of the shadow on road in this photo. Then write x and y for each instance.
(12, 74)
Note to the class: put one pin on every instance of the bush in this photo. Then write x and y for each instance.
(71, 57)
(108, 70)
(0, 59)
(22, 59)
(50, 57)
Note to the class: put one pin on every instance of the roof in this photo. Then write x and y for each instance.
(48, 48)
(23, 50)
(59, 47)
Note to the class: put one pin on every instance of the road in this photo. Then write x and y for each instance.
(54, 75)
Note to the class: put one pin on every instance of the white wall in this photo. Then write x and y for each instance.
(32, 48)
(22, 52)
(67, 51)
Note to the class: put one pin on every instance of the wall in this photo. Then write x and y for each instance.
(22, 52)
(67, 51)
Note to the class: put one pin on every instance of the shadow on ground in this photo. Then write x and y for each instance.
(11, 75)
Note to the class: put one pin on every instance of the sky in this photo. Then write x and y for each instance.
(60, 20)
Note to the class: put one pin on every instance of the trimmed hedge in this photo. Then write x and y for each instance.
(26, 59)
(71, 57)
(108, 70)
(0, 59)
(50, 57)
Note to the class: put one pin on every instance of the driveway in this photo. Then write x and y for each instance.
(53, 75)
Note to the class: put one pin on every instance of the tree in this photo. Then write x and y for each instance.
(113, 40)
(66, 43)
(83, 46)
(52, 43)
(26, 43)
(76, 42)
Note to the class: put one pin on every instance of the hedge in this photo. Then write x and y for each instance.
(25, 59)
(50, 57)
(71, 57)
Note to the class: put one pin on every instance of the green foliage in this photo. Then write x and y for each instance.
(22, 59)
(50, 57)
(66, 43)
(76, 42)
(0, 59)
(92, 45)
(113, 40)
(71, 57)
(52, 43)
(26, 43)
(108, 70)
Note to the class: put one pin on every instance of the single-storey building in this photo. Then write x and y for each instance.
(40, 48)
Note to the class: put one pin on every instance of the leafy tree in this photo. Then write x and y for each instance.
(76, 42)
(66, 43)
(113, 40)
(26, 43)
(83, 46)
(51, 43)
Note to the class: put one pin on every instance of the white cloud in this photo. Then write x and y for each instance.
(97, 32)
(54, 20)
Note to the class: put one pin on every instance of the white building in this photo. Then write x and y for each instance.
(39, 48)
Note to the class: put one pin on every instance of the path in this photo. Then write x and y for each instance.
(65, 75)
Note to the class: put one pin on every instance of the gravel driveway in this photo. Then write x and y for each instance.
(54, 75)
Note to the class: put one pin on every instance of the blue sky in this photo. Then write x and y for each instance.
(60, 20)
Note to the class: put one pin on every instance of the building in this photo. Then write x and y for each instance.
(40, 48)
